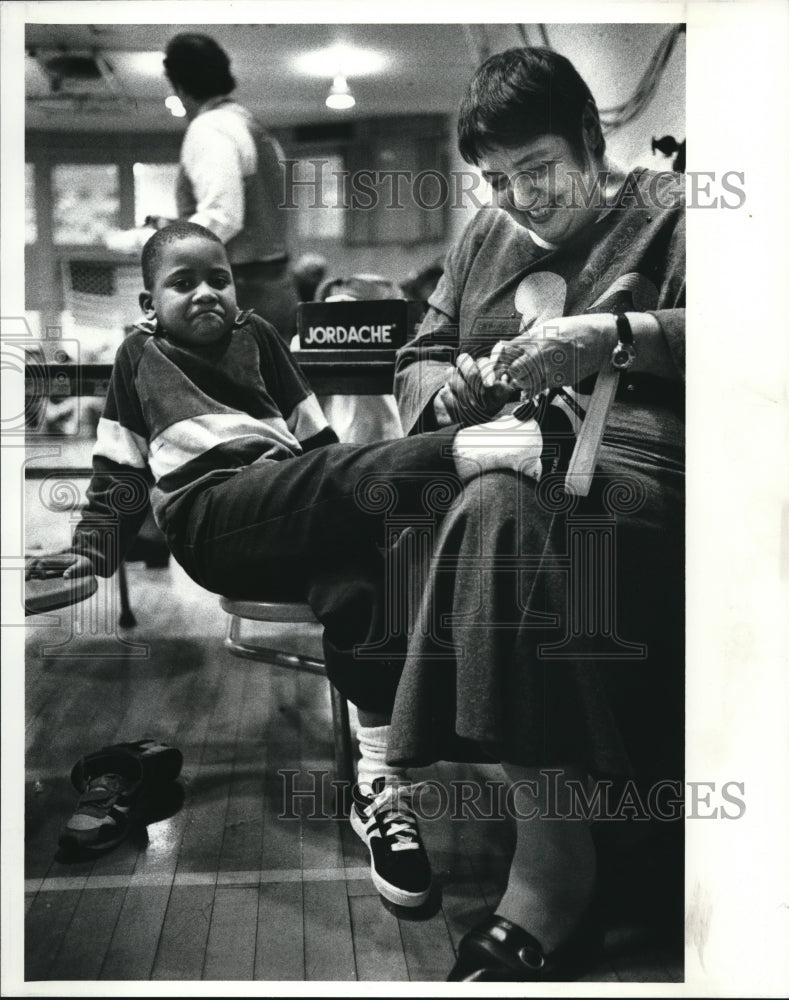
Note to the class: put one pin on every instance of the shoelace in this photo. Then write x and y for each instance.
(396, 817)
(105, 790)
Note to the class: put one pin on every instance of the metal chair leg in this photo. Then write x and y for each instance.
(343, 747)
(126, 619)
(341, 723)
(254, 651)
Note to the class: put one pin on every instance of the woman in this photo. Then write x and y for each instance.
(567, 650)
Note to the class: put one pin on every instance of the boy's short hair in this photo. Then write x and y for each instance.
(152, 251)
(520, 94)
(199, 65)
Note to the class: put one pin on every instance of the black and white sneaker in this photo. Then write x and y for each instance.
(398, 862)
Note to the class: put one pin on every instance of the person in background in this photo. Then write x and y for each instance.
(309, 271)
(231, 179)
(420, 285)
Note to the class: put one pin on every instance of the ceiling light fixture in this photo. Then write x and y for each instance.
(340, 97)
(175, 107)
(345, 59)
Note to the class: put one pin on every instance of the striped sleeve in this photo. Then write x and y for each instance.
(291, 392)
(119, 488)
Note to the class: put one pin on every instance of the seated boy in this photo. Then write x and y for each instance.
(208, 411)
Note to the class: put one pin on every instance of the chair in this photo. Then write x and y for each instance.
(360, 419)
(46, 590)
(291, 613)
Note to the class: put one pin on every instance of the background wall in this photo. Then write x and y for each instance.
(611, 57)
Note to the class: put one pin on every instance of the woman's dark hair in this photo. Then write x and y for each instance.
(199, 65)
(520, 94)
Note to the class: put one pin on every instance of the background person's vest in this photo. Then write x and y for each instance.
(264, 235)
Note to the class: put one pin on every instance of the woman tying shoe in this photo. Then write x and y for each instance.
(579, 672)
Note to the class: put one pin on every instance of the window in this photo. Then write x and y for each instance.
(382, 182)
(318, 192)
(154, 191)
(399, 185)
(31, 229)
(85, 202)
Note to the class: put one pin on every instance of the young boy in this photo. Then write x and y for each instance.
(208, 413)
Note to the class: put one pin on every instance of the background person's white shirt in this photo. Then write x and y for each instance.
(218, 151)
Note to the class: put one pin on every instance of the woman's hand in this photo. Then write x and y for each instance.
(561, 352)
(473, 393)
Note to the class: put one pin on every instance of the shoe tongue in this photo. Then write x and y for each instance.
(106, 782)
(378, 785)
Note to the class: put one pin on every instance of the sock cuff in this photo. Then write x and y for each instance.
(373, 736)
(373, 744)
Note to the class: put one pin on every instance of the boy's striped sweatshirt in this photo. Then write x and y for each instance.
(177, 419)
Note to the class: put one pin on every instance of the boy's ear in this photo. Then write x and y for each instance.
(146, 303)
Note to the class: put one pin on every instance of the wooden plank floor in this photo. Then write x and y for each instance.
(234, 878)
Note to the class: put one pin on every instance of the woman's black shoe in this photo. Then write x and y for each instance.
(498, 951)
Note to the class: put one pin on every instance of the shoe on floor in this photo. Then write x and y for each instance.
(398, 862)
(160, 763)
(104, 813)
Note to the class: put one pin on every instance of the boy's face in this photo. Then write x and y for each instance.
(193, 294)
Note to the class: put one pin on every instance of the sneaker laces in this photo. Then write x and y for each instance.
(104, 790)
(393, 810)
(108, 784)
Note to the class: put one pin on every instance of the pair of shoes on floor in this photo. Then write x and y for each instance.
(111, 782)
(499, 951)
(398, 862)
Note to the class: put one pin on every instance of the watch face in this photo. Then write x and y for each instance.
(623, 356)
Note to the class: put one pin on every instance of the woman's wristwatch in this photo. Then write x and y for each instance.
(624, 354)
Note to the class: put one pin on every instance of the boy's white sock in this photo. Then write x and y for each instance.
(373, 741)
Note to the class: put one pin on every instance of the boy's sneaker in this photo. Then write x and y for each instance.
(160, 763)
(398, 862)
(104, 814)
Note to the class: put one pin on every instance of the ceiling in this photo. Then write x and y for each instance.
(422, 67)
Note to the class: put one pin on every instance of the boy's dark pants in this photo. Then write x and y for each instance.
(435, 609)
(317, 528)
